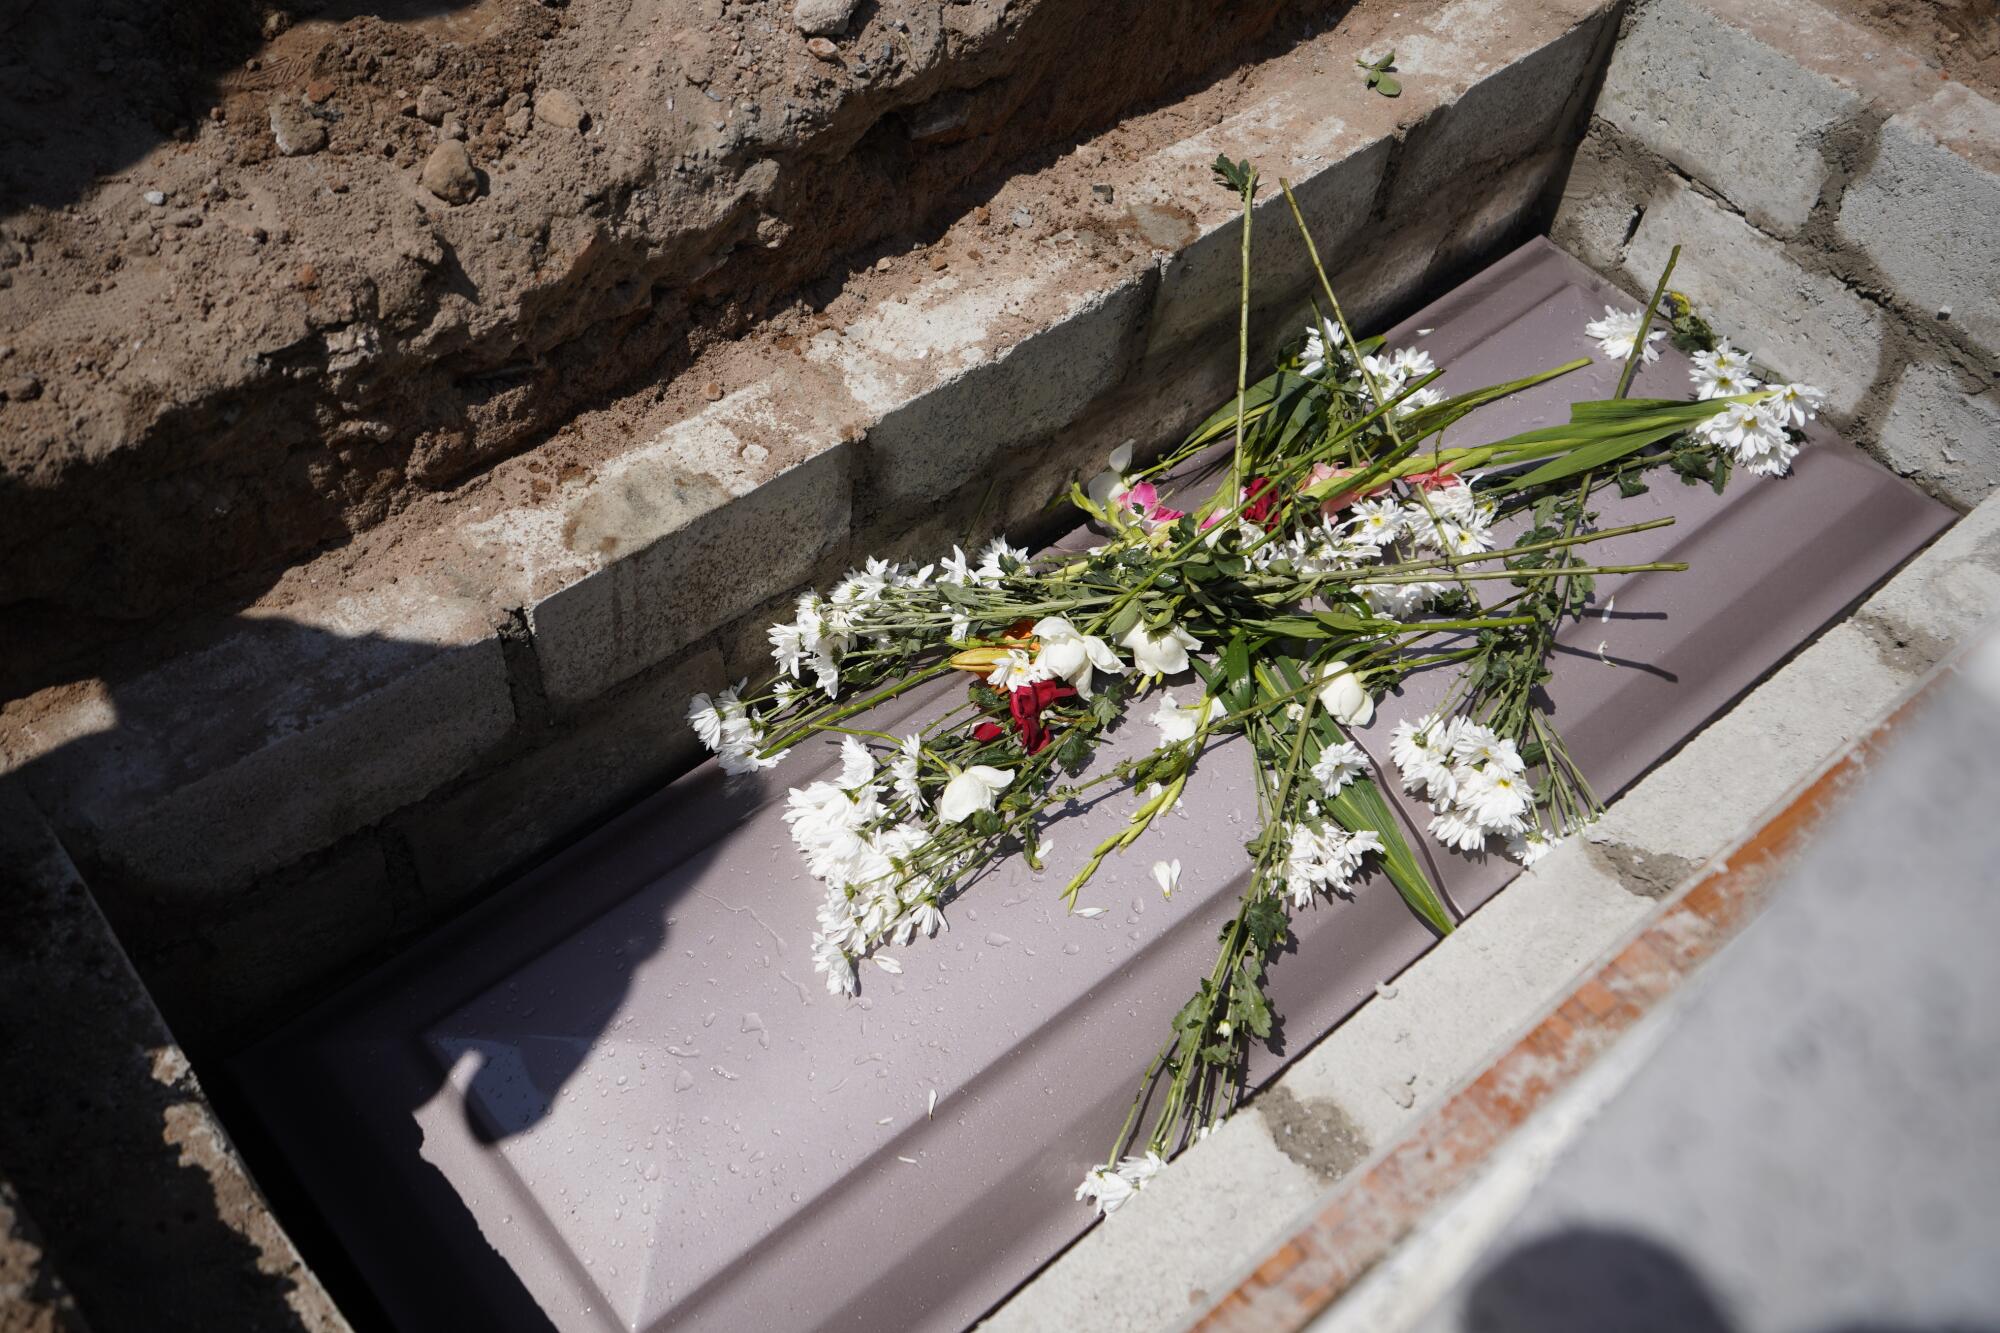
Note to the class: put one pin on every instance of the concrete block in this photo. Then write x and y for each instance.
(1926, 212)
(1460, 1001)
(1807, 326)
(106, 1134)
(953, 380)
(1943, 435)
(1507, 113)
(1943, 597)
(1603, 199)
(616, 751)
(1692, 806)
(1496, 213)
(295, 933)
(1141, 1270)
(1196, 315)
(685, 533)
(1746, 120)
(287, 731)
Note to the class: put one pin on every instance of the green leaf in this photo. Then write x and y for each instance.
(1387, 85)
(1122, 623)
(1591, 456)
(1236, 662)
(1266, 921)
(1360, 806)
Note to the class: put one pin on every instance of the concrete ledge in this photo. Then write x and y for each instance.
(286, 732)
(107, 1138)
(1371, 1080)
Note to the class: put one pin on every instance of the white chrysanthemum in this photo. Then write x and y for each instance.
(903, 771)
(1105, 1189)
(1755, 434)
(1312, 357)
(1410, 363)
(1530, 847)
(857, 766)
(1722, 373)
(1016, 669)
(1798, 403)
(1617, 331)
(1494, 797)
(1339, 765)
(1478, 744)
(1399, 601)
(1457, 829)
(1375, 522)
(1422, 753)
(1324, 857)
(706, 719)
(829, 958)
(1418, 401)
(1139, 1171)
(993, 559)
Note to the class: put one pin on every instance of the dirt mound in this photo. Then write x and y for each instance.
(266, 274)
(1960, 37)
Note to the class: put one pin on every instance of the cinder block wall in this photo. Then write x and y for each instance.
(1839, 202)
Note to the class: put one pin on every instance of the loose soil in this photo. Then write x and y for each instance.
(241, 318)
(1960, 37)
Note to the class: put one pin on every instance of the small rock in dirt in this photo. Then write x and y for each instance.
(561, 110)
(448, 173)
(432, 105)
(21, 389)
(823, 18)
(308, 276)
(156, 198)
(823, 48)
(1103, 192)
(712, 391)
(519, 122)
(939, 263)
(452, 129)
(317, 91)
(1022, 218)
(296, 129)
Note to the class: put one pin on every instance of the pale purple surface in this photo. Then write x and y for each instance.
(622, 1092)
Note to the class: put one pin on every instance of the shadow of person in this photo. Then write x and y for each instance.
(127, 770)
(1596, 1280)
(1592, 1281)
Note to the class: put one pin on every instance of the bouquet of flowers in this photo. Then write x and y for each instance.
(1343, 547)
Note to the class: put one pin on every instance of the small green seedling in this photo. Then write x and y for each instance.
(1379, 76)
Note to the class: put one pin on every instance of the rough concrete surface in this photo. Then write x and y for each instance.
(1829, 1162)
(1925, 211)
(1687, 86)
(1943, 428)
(1155, 1266)
(106, 1138)
(1804, 325)
(33, 1298)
